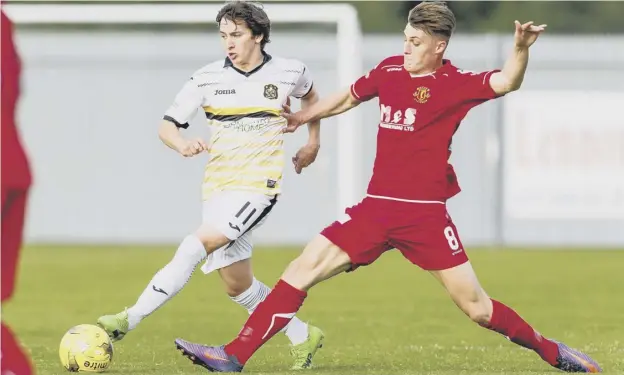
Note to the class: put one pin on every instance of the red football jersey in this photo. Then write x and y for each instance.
(15, 171)
(418, 117)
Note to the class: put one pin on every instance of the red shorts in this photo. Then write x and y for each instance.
(423, 232)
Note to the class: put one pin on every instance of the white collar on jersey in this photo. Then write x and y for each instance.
(445, 65)
(422, 75)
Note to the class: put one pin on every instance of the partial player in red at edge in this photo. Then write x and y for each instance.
(15, 183)
(422, 100)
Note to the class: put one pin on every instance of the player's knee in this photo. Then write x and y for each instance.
(301, 272)
(475, 303)
(306, 268)
(465, 290)
(478, 308)
(320, 260)
(479, 314)
(237, 278)
(211, 238)
(235, 288)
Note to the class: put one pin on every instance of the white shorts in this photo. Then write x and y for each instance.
(235, 214)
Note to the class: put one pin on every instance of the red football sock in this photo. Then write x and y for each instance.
(508, 323)
(271, 315)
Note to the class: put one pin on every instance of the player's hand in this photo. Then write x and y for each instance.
(292, 120)
(526, 34)
(192, 147)
(305, 156)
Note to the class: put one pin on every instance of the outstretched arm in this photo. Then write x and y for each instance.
(314, 127)
(512, 75)
(332, 105)
(307, 154)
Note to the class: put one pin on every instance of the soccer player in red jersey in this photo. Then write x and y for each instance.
(15, 183)
(423, 99)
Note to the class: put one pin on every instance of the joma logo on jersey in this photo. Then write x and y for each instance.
(225, 92)
(397, 120)
(422, 94)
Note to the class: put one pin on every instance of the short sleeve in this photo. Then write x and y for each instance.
(304, 84)
(185, 105)
(367, 86)
(476, 85)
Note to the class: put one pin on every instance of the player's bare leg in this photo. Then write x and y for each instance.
(237, 279)
(463, 286)
(319, 261)
(167, 282)
(247, 291)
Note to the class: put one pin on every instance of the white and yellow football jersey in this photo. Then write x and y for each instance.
(242, 108)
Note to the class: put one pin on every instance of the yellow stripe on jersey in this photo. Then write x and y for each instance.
(264, 159)
(265, 179)
(239, 110)
(230, 133)
(261, 172)
(226, 143)
(237, 113)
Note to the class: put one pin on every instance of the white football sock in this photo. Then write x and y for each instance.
(169, 280)
(296, 330)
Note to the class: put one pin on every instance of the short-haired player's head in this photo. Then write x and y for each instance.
(244, 27)
(427, 33)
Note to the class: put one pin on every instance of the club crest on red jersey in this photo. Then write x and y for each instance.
(422, 94)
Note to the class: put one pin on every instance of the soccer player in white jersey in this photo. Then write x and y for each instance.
(242, 99)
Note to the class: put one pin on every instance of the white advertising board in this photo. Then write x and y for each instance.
(564, 155)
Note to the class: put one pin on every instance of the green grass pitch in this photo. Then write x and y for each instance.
(389, 318)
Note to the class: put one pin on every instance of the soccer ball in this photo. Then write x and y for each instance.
(86, 348)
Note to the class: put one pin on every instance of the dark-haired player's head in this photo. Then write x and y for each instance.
(244, 27)
(429, 27)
